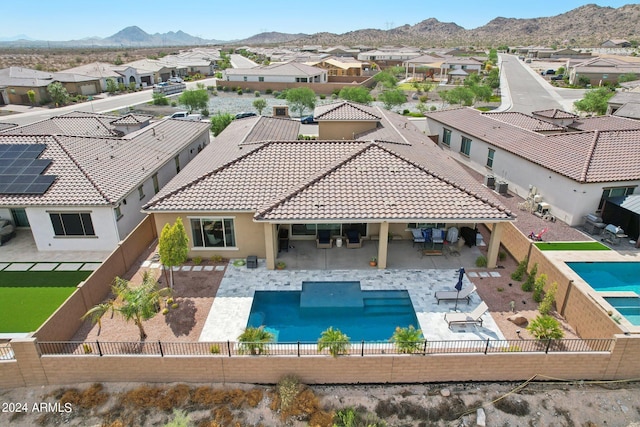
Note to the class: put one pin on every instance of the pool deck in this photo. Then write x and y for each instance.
(231, 307)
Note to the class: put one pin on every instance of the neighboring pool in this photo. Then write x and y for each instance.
(303, 315)
(608, 277)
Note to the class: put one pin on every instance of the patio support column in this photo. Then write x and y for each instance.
(494, 245)
(383, 244)
(270, 245)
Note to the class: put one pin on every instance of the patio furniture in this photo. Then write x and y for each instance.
(418, 236)
(354, 240)
(475, 317)
(7, 231)
(324, 240)
(252, 261)
(283, 239)
(437, 236)
(465, 293)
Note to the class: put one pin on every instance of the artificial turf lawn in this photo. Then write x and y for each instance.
(27, 298)
(572, 246)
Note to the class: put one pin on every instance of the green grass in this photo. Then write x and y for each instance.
(572, 246)
(28, 298)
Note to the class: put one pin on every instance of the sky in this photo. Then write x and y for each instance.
(233, 20)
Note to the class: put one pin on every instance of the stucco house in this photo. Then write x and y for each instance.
(290, 72)
(104, 71)
(93, 178)
(341, 66)
(575, 164)
(625, 104)
(602, 70)
(378, 175)
(152, 71)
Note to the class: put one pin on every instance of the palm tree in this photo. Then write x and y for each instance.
(253, 340)
(137, 303)
(96, 313)
(335, 340)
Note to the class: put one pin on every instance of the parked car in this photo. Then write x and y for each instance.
(161, 84)
(558, 77)
(548, 72)
(179, 115)
(308, 120)
(243, 115)
(175, 80)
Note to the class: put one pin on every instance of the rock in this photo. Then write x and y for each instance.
(445, 392)
(518, 319)
(481, 418)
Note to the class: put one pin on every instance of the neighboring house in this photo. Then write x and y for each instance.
(105, 71)
(385, 58)
(152, 71)
(632, 86)
(602, 70)
(469, 65)
(341, 51)
(574, 170)
(625, 104)
(563, 54)
(429, 62)
(387, 177)
(87, 191)
(291, 72)
(17, 82)
(616, 43)
(341, 66)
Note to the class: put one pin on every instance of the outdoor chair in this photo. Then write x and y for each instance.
(354, 240)
(324, 240)
(437, 236)
(418, 236)
(475, 317)
(465, 293)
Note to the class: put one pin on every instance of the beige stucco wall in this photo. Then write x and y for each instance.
(343, 130)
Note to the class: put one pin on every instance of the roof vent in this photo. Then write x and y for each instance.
(390, 202)
(318, 203)
(362, 169)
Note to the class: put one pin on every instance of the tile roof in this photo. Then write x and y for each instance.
(630, 110)
(555, 114)
(132, 119)
(277, 179)
(605, 123)
(525, 121)
(101, 171)
(346, 111)
(286, 69)
(74, 123)
(593, 156)
(5, 126)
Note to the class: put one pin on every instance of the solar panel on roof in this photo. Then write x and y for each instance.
(21, 169)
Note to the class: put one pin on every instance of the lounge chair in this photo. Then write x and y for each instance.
(354, 240)
(418, 236)
(324, 240)
(475, 317)
(465, 293)
(437, 236)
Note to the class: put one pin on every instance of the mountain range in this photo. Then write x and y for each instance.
(588, 25)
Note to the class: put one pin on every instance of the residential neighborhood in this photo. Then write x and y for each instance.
(357, 227)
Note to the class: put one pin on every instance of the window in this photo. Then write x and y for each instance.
(245, 78)
(213, 232)
(614, 192)
(490, 155)
(72, 224)
(156, 186)
(260, 79)
(302, 79)
(141, 192)
(465, 146)
(176, 159)
(336, 229)
(446, 136)
(118, 212)
(426, 225)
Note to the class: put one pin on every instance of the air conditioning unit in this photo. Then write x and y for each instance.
(490, 181)
(502, 187)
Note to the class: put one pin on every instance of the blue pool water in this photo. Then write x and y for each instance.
(614, 277)
(303, 315)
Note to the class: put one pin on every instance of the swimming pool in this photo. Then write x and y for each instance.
(609, 278)
(303, 315)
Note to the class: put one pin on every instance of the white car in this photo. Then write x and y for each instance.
(175, 80)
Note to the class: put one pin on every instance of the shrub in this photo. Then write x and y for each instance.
(276, 94)
(214, 349)
(256, 94)
(405, 112)
(433, 108)
(481, 261)
(323, 96)
(174, 104)
(423, 98)
(545, 327)
(159, 99)
(335, 341)
(197, 260)
(538, 288)
(204, 112)
(216, 258)
(219, 87)
(502, 255)
(407, 340)
(225, 89)
(519, 273)
(549, 299)
(527, 286)
(268, 91)
(239, 91)
(335, 92)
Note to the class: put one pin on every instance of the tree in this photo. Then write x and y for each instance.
(407, 340)
(594, 101)
(459, 95)
(118, 60)
(219, 122)
(392, 98)
(173, 246)
(356, 94)
(386, 78)
(137, 303)
(253, 341)
(194, 99)
(260, 104)
(32, 97)
(58, 93)
(335, 340)
(493, 78)
(301, 98)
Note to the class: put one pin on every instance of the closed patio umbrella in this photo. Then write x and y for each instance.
(459, 285)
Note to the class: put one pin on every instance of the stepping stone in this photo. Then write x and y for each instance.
(197, 268)
(146, 264)
(44, 266)
(186, 268)
(175, 268)
(483, 274)
(494, 274)
(19, 266)
(3, 265)
(219, 267)
(90, 266)
(208, 268)
(155, 265)
(69, 266)
(472, 274)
